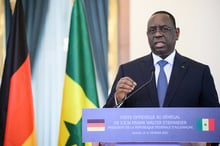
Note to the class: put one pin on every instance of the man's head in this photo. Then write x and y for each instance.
(162, 33)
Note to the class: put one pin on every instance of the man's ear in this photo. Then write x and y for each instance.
(177, 33)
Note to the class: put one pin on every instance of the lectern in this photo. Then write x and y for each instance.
(151, 126)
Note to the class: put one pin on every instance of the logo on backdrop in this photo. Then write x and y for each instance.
(95, 125)
(205, 124)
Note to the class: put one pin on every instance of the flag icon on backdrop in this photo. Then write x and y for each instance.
(205, 124)
(79, 83)
(96, 125)
(16, 91)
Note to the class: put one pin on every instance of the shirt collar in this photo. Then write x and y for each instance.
(169, 59)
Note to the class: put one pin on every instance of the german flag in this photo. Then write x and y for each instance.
(18, 127)
(96, 125)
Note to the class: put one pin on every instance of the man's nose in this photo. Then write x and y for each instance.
(158, 33)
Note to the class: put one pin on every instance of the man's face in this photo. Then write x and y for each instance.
(162, 35)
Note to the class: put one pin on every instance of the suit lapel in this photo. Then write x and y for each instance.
(178, 72)
(152, 89)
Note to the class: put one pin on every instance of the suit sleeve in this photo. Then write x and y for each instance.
(209, 93)
(111, 99)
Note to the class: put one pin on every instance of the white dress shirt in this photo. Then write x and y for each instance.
(167, 68)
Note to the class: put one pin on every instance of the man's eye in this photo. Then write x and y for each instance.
(152, 30)
(165, 29)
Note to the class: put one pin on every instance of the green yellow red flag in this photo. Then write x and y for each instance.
(79, 84)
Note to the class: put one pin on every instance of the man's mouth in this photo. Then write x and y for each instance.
(159, 44)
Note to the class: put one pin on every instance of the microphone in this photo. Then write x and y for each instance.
(135, 91)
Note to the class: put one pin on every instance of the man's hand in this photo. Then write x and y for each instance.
(125, 85)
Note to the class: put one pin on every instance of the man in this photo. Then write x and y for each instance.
(189, 83)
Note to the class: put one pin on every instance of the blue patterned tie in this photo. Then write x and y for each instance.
(162, 82)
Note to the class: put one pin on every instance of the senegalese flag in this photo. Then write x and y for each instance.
(205, 124)
(16, 91)
(79, 83)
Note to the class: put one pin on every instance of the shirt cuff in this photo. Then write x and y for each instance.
(116, 103)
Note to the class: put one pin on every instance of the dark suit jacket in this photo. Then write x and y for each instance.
(191, 84)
